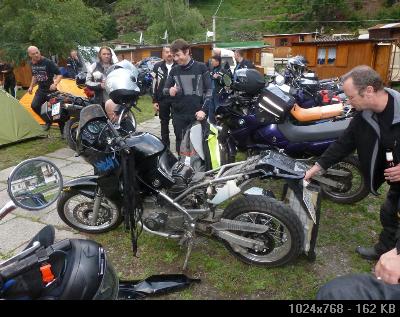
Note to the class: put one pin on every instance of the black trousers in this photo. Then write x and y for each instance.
(180, 124)
(40, 98)
(358, 287)
(9, 86)
(37, 102)
(165, 115)
(390, 220)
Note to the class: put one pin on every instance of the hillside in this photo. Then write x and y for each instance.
(249, 19)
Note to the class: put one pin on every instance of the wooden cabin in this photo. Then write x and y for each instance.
(282, 43)
(335, 57)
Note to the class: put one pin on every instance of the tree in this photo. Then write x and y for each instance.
(176, 17)
(156, 16)
(53, 26)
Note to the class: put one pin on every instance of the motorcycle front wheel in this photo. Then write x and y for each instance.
(76, 210)
(353, 186)
(283, 238)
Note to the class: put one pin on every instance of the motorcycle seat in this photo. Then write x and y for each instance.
(316, 113)
(318, 131)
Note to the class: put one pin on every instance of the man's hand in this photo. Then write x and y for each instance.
(392, 174)
(388, 267)
(156, 106)
(216, 75)
(173, 91)
(200, 115)
(30, 90)
(311, 172)
(53, 87)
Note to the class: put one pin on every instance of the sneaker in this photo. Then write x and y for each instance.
(47, 126)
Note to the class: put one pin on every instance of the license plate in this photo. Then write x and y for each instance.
(55, 109)
(309, 198)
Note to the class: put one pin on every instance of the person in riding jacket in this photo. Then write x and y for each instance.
(241, 62)
(162, 103)
(96, 75)
(73, 64)
(189, 85)
(374, 130)
(217, 85)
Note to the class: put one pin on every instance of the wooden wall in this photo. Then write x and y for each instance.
(348, 55)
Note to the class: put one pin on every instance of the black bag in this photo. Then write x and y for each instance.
(273, 105)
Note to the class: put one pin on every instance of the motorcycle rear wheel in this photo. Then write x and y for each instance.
(354, 190)
(283, 239)
(70, 130)
(75, 210)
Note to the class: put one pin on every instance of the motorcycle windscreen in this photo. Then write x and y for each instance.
(89, 113)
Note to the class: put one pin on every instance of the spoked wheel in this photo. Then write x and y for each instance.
(353, 188)
(283, 238)
(76, 211)
(70, 130)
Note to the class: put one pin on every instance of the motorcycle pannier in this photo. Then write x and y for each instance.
(273, 105)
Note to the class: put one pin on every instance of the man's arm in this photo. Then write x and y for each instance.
(33, 83)
(338, 150)
(207, 91)
(170, 83)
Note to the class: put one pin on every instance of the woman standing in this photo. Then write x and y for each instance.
(216, 74)
(96, 76)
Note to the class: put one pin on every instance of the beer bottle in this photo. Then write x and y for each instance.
(389, 160)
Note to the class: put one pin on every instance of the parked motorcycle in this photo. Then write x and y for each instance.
(139, 181)
(254, 118)
(70, 269)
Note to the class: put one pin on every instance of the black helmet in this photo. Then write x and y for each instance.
(77, 270)
(80, 79)
(249, 81)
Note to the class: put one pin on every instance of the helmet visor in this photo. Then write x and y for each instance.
(109, 286)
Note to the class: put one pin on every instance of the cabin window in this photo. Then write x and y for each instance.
(326, 56)
(301, 38)
(283, 42)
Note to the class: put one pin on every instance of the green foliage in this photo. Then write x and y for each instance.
(53, 26)
(156, 16)
(392, 12)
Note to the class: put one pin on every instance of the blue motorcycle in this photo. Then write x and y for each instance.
(254, 119)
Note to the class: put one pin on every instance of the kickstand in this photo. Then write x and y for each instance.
(188, 252)
(188, 239)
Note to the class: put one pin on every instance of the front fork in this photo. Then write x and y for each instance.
(96, 205)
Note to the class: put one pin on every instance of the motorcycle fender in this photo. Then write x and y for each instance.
(85, 185)
(257, 191)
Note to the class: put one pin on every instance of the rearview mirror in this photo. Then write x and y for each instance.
(227, 80)
(35, 184)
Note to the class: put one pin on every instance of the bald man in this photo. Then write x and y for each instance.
(46, 74)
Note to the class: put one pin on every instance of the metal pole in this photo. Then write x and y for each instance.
(214, 28)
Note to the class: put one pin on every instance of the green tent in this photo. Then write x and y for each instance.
(16, 123)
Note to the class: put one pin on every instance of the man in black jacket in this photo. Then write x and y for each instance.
(9, 78)
(374, 130)
(161, 103)
(241, 62)
(189, 85)
(73, 64)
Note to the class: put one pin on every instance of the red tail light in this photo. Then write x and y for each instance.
(53, 101)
